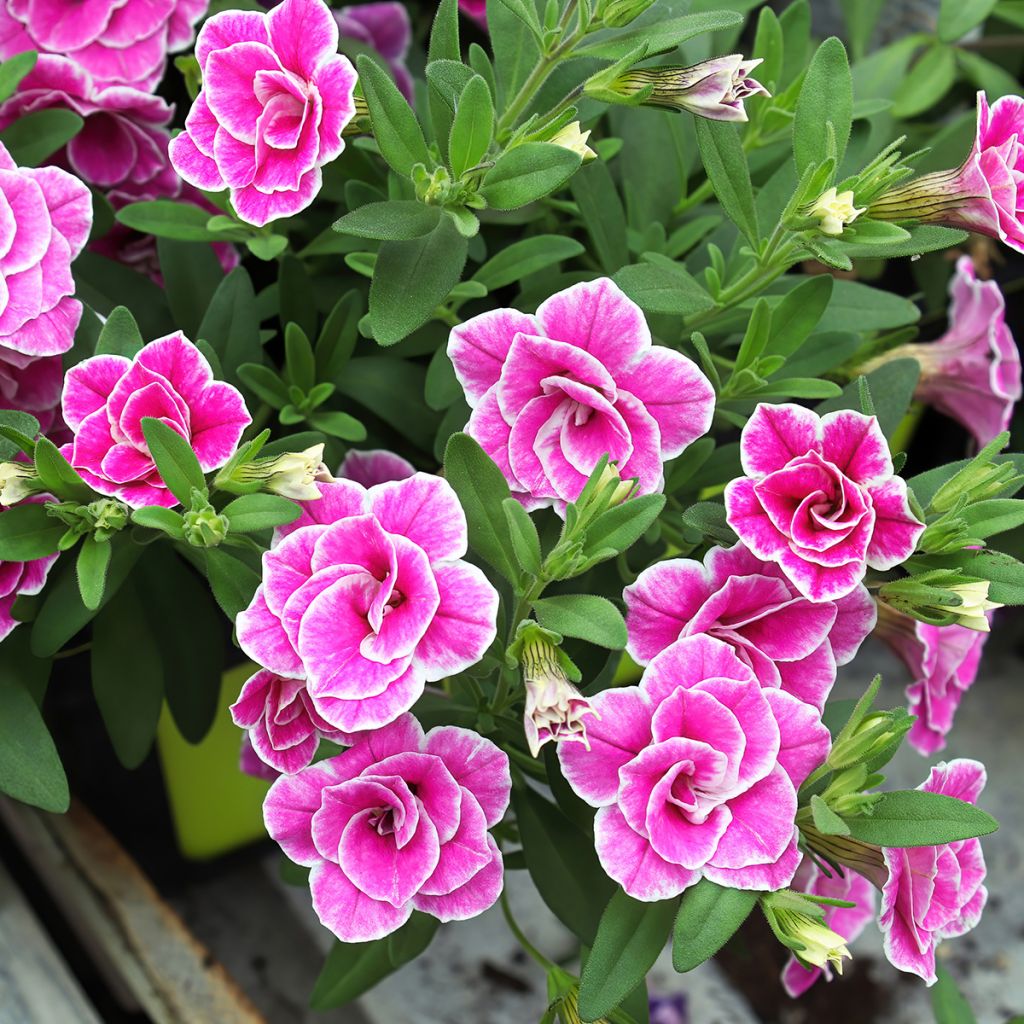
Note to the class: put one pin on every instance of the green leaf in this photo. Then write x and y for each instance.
(481, 488)
(175, 461)
(394, 220)
(562, 863)
(232, 581)
(266, 247)
(914, 818)
(104, 284)
(892, 389)
(13, 70)
(57, 474)
(127, 674)
(192, 274)
(297, 298)
(708, 917)
(338, 424)
(444, 45)
(958, 17)
(525, 257)
(253, 512)
(16, 432)
(472, 128)
(120, 335)
(663, 287)
(948, 1003)
(826, 820)
(798, 314)
(34, 137)
(27, 532)
(155, 517)
(986, 518)
(726, 166)
(395, 127)
(622, 526)
(166, 218)
(826, 97)
(929, 80)
(91, 569)
(30, 768)
(629, 938)
(861, 17)
(602, 213)
(231, 323)
(412, 278)
(524, 537)
(527, 173)
(1004, 573)
(299, 363)
(412, 939)
(338, 336)
(585, 616)
(661, 35)
(515, 48)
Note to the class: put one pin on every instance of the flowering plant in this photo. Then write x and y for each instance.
(530, 427)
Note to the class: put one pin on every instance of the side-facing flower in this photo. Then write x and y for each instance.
(118, 42)
(283, 726)
(820, 498)
(570, 137)
(834, 210)
(107, 397)
(788, 641)
(292, 474)
(714, 88)
(276, 96)
(383, 27)
(374, 466)
(695, 773)
(398, 822)
(366, 597)
(17, 481)
(17, 578)
(973, 372)
(973, 611)
(847, 922)
(984, 194)
(45, 218)
(553, 393)
(934, 892)
(943, 662)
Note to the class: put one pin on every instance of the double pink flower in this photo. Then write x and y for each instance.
(276, 96)
(820, 498)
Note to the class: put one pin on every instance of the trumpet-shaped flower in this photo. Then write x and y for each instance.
(820, 498)
(835, 210)
(398, 822)
(695, 773)
(553, 393)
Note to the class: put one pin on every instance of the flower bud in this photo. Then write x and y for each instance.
(714, 88)
(619, 13)
(109, 516)
(570, 137)
(834, 210)
(931, 597)
(812, 941)
(205, 527)
(17, 481)
(876, 736)
(554, 707)
(972, 613)
(292, 475)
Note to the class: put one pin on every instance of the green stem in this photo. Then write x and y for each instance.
(522, 610)
(520, 935)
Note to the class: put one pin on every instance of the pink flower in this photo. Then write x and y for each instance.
(848, 922)
(934, 892)
(984, 194)
(283, 726)
(973, 372)
(18, 578)
(250, 763)
(820, 498)
(45, 218)
(276, 96)
(553, 393)
(383, 27)
(31, 385)
(107, 397)
(118, 42)
(943, 661)
(367, 598)
(789, 642)
(396, 823)
(374, 466)
(695, 772)
(475, 9)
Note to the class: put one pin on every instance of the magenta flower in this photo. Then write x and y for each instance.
(848, 922)
(973, 372)
(31, 385)
(118, 42)
(17, 578)
(787, 641)
(475, 9)
(374, 466)
(251, 764)
(45, 218)
(283, 726)
(107, 397)
(276, 96)
(984, 194)
(383, 27)
(943, 662)
(820, 498)
(934, 892)
(553, 393)
(396, 823)
(367, 598)
(695, 772)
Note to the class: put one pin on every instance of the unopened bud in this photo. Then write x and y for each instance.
(293, 475)
(877, 735)
(205, 527)
(570, 137)
(619, 13)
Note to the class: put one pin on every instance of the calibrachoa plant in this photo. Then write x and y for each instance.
(538, 432)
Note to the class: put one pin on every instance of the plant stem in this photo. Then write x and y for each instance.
(521, 938)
